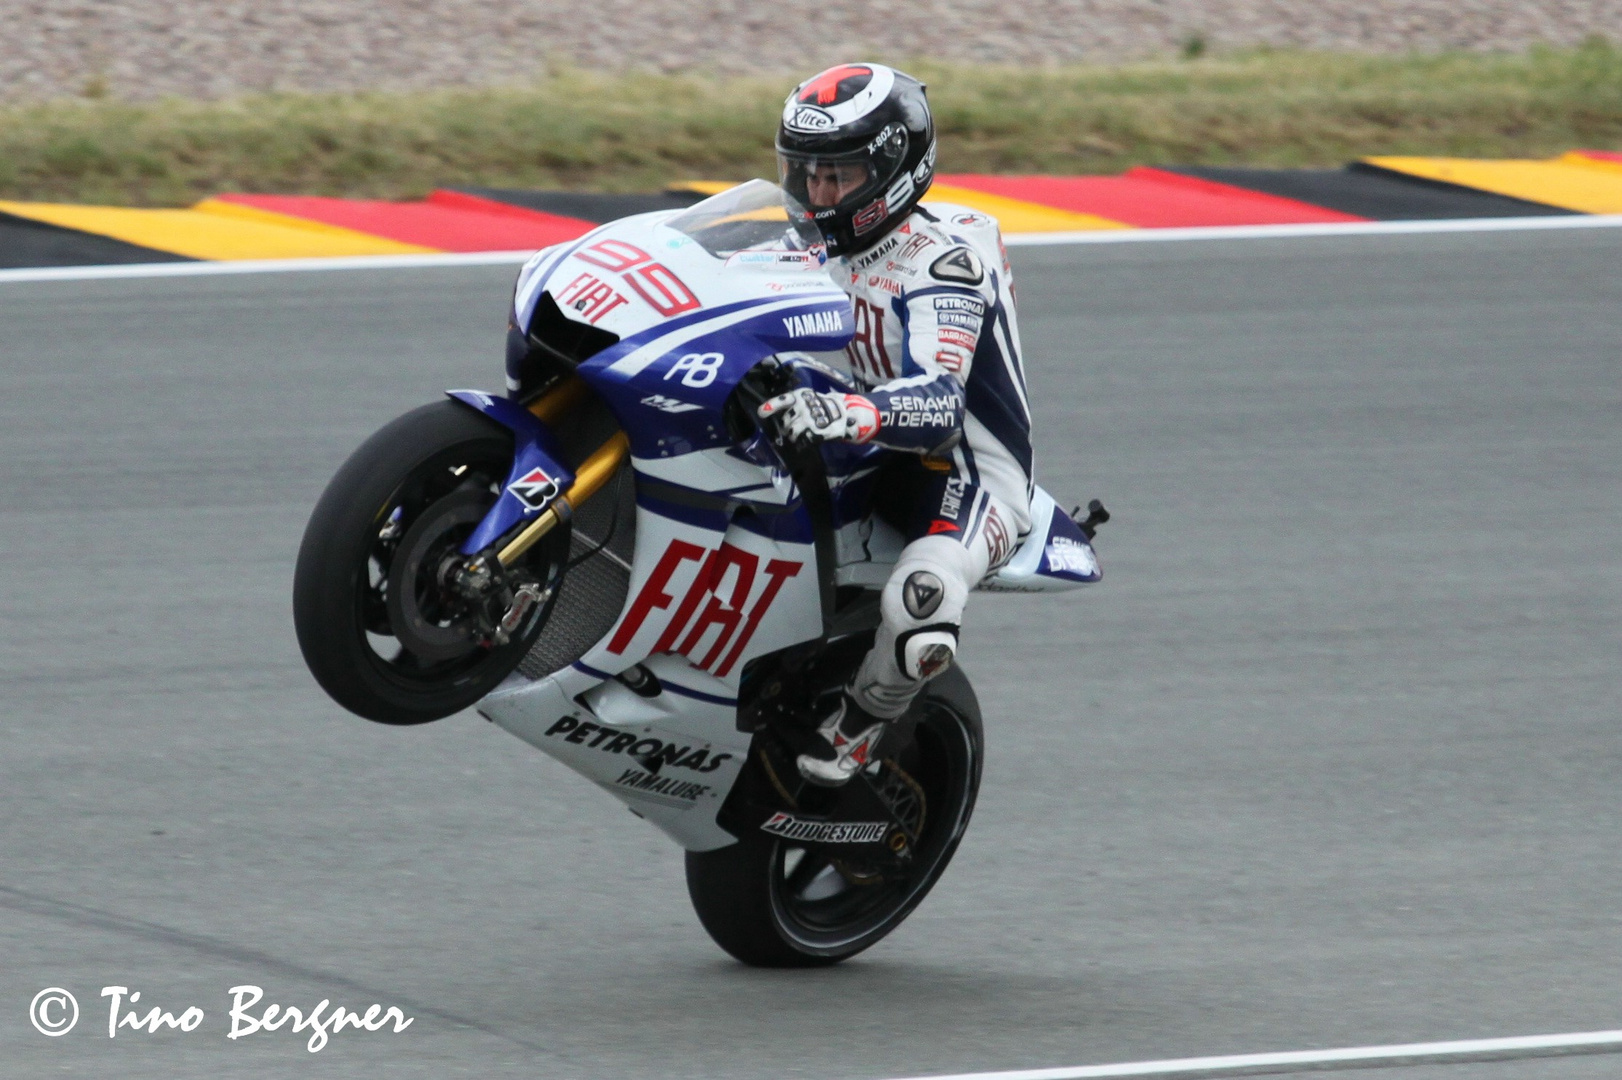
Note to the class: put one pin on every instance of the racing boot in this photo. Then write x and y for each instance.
(852, 734)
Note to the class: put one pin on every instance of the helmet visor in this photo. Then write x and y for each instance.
(821, 183)
(843, 180)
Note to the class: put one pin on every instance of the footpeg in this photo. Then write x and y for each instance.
(1096, 516)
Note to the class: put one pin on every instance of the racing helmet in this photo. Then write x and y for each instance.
(857, 138)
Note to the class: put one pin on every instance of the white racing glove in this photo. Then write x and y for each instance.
(806, 416)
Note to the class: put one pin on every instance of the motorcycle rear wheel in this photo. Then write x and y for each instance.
(771, 907)
(395, 510)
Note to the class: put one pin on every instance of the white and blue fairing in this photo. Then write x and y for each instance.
(726, 562)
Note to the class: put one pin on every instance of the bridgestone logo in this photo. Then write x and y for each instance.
(825, 832)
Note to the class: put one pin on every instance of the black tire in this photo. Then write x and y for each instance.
(432, 472)
(742, 892)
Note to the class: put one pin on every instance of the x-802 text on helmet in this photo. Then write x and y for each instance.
(856, 150)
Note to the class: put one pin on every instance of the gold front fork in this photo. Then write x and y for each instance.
(593, 473)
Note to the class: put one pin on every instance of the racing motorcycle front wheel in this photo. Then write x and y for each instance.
(772, 902)
(382, 627)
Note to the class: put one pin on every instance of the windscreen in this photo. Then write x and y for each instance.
(751, 215)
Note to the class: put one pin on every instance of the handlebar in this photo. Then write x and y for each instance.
(766, 380)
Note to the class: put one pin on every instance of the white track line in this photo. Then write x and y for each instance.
(1103, 236)
(1346, 1057)
(264, 266)
(1349, 228)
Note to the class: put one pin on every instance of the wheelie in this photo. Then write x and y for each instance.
(690, 557)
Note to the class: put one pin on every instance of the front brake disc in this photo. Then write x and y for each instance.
(430, 620)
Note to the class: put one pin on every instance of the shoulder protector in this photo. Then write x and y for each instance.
(959, 266)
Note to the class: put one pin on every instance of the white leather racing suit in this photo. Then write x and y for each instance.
(936, 348)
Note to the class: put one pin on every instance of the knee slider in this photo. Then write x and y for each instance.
(923, 595)
(924, 653)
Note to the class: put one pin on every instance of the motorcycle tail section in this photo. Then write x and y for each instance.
(1055, 557)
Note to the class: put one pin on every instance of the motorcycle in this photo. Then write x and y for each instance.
(618, 563)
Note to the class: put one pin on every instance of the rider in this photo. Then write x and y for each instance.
(936, 354)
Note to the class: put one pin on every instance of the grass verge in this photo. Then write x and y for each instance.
(638, 132)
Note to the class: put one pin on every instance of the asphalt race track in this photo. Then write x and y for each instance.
(1331, 758)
